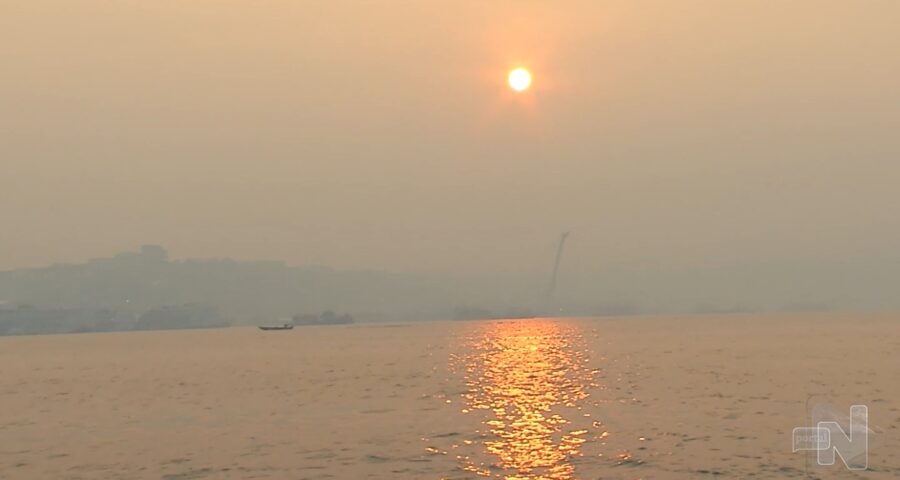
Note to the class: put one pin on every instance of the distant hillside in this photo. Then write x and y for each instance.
(115, 293)
(244, 291)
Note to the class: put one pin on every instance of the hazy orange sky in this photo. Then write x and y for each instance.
(381, 134)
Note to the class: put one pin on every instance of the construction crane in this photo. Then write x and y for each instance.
(559, 251)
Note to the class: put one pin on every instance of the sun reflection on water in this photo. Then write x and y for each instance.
(529, 380)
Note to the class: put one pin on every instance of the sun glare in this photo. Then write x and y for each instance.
(519, 79)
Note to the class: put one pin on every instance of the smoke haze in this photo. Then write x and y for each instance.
(679, 142)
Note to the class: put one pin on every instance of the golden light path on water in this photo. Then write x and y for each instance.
(529, 380)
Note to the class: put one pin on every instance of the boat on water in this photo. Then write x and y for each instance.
(286, 326)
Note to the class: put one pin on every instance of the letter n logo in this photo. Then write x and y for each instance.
(852, 446)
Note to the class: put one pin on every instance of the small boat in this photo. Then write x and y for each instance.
(286, 326)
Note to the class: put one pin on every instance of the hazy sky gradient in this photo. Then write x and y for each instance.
(380, 134)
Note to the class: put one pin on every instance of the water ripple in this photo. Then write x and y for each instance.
(528, 382)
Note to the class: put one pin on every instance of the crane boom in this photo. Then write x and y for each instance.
(559, 252)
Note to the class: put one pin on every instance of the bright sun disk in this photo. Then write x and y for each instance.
(519, 79)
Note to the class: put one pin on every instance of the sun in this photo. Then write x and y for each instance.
(519, 79)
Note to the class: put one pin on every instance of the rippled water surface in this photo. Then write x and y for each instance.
(618, 399)
(527, 386)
